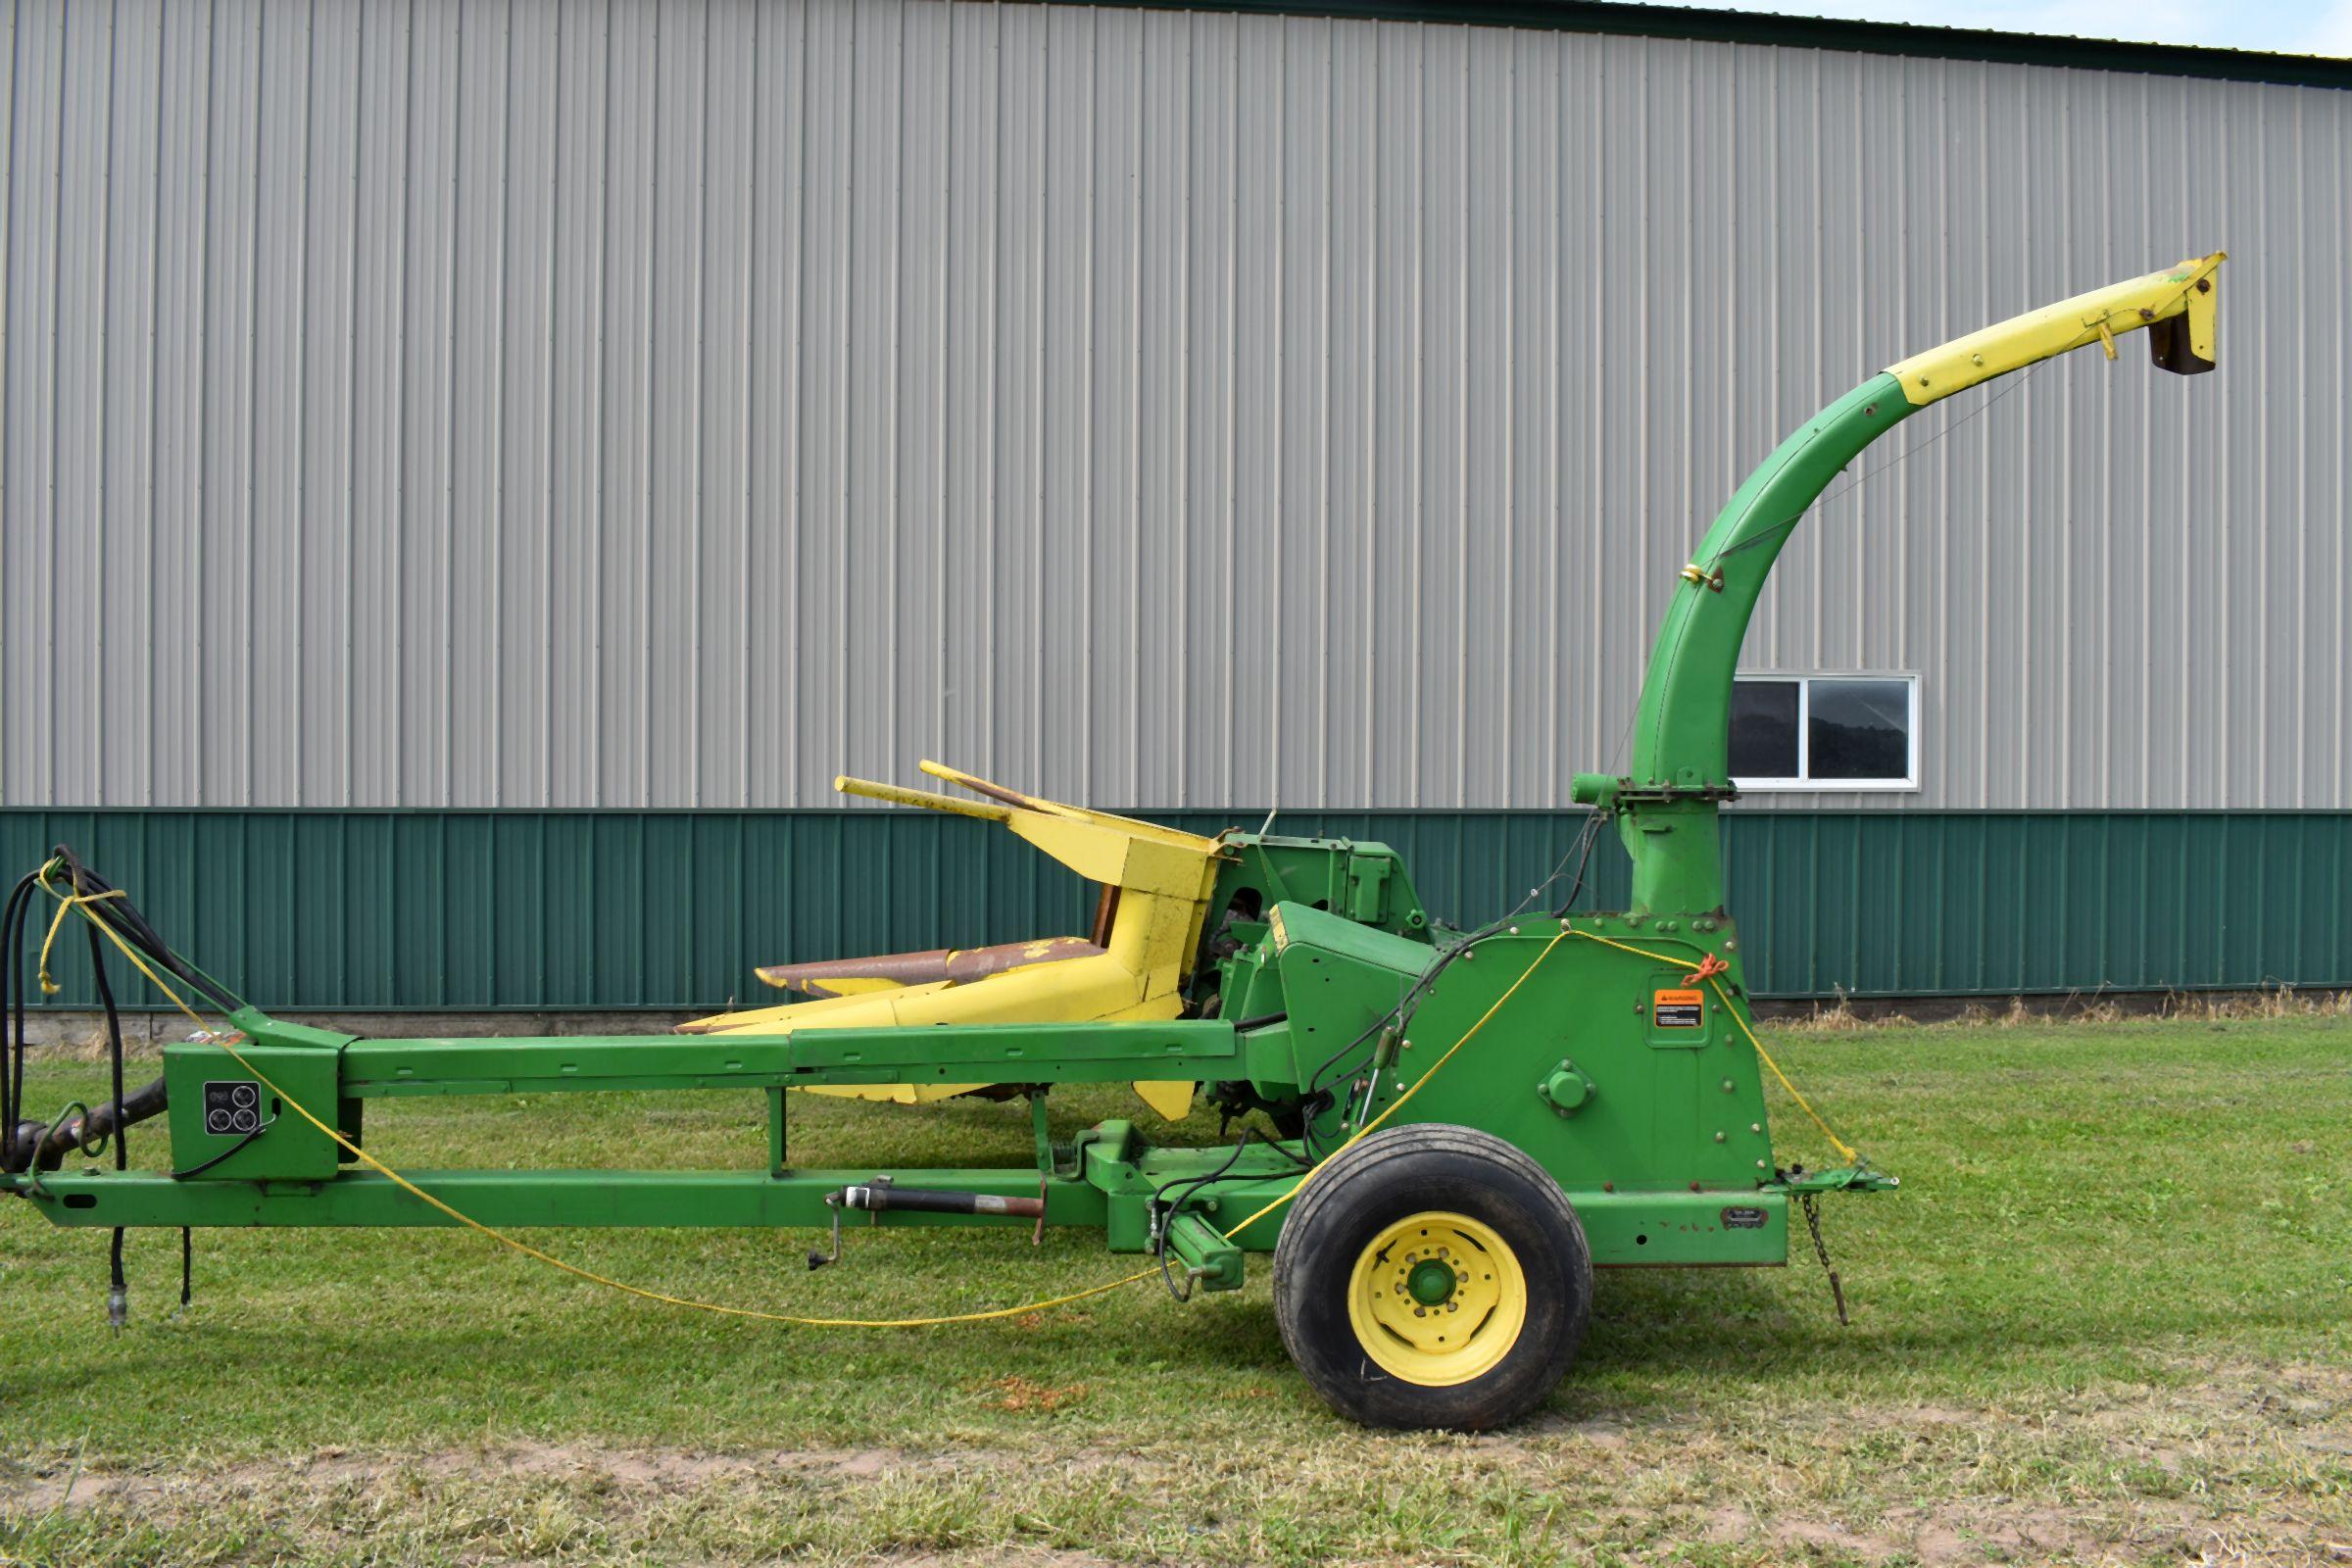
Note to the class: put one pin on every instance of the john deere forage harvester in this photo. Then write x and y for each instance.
(1467, 1123)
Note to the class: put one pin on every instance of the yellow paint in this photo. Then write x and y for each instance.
(1164, 878)
(1442, 1343)
(1174, 837)
(849, 985)
(1171, 1098)
(852, 985)
(2093, 318)
(929, 801)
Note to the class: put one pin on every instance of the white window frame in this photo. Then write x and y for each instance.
(1804, 783)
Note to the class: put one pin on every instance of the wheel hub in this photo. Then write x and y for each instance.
(1430, 1282)
(1436, 1298)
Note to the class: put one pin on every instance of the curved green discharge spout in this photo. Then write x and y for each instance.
(1665, 803)
(1681, 728)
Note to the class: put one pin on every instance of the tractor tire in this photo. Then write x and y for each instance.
(1433, 1277)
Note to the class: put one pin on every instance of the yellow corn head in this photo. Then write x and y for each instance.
(1133, 965)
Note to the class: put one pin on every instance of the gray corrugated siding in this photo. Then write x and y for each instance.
(671, 405)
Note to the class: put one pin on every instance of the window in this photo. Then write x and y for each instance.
(1825, 732)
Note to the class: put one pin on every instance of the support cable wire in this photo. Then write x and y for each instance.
(1782, 526)
(2089, 335)
(1778, 530)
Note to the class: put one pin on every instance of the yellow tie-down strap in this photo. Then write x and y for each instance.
(760, 1314)
(227, 1043)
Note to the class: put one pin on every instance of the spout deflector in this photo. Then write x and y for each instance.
(2180, 305)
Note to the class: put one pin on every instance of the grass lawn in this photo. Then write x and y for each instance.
(2108, 1319)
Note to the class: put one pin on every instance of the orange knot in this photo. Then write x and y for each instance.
(1708, 968)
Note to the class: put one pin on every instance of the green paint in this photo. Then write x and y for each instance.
(576, 1199)
(1207, 1255)
(1873, 903)
(1430, 1283)
(1565, 1090)
(973, 1054)
(1666, 803)
(1366, 882)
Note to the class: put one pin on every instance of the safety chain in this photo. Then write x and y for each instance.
(1811, 1204)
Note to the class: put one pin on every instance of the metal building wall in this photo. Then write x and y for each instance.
(485, 911)
(670, 404)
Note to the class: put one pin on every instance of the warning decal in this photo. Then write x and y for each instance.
(1678, 1009)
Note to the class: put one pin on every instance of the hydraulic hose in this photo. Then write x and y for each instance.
(12, 1010)
(35, 1146)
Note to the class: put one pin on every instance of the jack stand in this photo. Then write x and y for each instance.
(818, 1259)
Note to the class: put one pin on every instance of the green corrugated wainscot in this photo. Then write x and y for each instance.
(537, 910)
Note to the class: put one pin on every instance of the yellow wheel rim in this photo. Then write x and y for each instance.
(1438, 1299)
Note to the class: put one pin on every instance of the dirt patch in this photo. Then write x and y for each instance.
(336, 1469)
(1995, 1531)
(1018, 1393)
(2216, 1468)
(2212, 1464)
